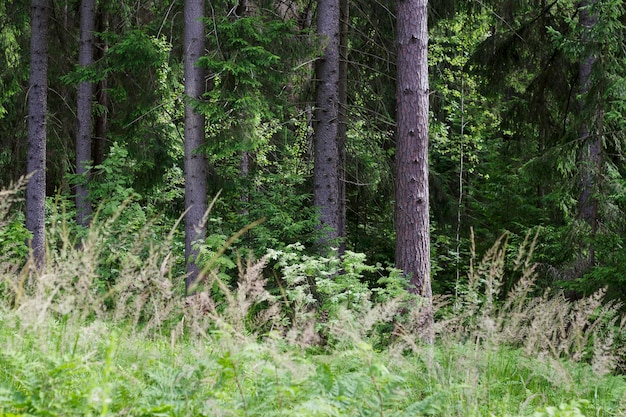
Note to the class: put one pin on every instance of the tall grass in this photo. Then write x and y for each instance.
(74, 343)
(541, 322)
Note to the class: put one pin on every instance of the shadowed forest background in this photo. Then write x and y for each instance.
(506, 152)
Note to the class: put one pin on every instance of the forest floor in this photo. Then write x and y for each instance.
(59, 367)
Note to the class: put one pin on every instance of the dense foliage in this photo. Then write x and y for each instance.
(505, 117)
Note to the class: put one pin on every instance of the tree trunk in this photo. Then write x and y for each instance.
(342, 128)
(195, 160)
(244, 163)
(412, 196)
(84, 106)
(327, 162)
(244, 172)
(37, 106)
(591, 138)
(102, 98)
(100, 123)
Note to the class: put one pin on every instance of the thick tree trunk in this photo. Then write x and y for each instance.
(591, 138)
(37, 107)
(195, 160)
(84, 106)
(412, 197)
(327, 163)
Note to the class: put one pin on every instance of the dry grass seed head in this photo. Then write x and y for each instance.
(548, 325)
(144, 290)
(250, 287)
(233, 316)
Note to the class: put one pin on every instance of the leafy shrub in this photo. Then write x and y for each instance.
(13, 238)
(13, 234)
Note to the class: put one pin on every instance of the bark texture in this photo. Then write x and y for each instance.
(412, 196)
(37, 105)
(327, 162)
(83, 111)
(195, 160)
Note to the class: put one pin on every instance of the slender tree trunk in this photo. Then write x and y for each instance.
(591, 138)
(244, 162)
(244, 172)
(100, 124)
(195, 160)
(102, 98)
(327, 163)
(37, 107)
(342, 128)
(412, 196)
(84, 106)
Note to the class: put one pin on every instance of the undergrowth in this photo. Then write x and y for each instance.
(289, 335)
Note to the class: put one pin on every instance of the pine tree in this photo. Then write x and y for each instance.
(195, 160)
(328, 161)
(412, 194)
(37, 107)
(591, 158)
(83, 110)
